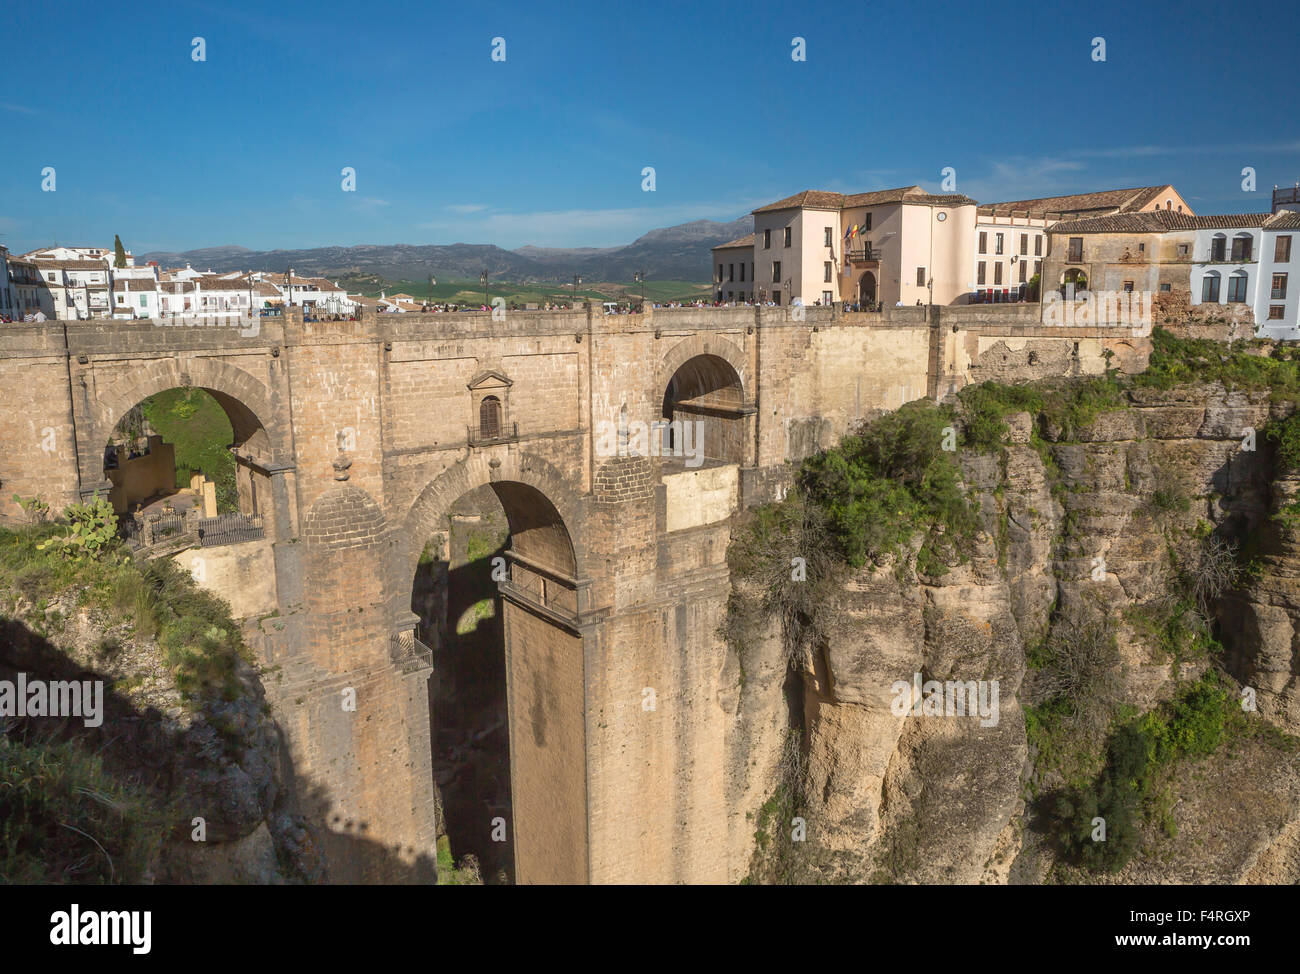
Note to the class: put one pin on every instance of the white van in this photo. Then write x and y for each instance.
(611, 307)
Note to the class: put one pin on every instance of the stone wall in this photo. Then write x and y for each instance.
(242, 574)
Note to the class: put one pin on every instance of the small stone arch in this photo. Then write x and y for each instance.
(515, 470)
(697, 345)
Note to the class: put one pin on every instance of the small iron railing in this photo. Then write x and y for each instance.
(864, 254)
(150, 530)
(406, 650)
(230, 529)
(496, 433)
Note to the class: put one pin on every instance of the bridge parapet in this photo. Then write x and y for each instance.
(144, 336)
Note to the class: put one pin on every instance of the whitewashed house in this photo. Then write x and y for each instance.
(135, 298)
(1248, 259)
(1277, 303)
(1225, 258)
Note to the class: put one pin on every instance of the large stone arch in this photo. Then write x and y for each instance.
(434, 502)
(246, 399)
(259, 440)
(543, 647)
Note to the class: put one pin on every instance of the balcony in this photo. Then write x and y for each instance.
(550, 593)
(494, 433)
(409, 653)
(864, 255)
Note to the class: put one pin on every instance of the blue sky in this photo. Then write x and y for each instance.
(547, 147)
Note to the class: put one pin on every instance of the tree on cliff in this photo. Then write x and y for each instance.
(119, 252)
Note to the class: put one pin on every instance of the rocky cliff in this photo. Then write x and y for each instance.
(1112, 639)
(182, 776)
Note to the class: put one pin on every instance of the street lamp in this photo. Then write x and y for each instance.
(577, 279)
(483, 279)
(639, 277)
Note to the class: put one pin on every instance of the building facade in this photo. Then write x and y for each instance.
(905, 246)
(1241, 262)
(899, 247)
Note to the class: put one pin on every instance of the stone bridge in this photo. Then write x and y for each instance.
(353, 439)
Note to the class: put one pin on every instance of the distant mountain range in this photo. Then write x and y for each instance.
(679, 253)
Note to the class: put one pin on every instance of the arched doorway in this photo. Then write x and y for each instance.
(1075, 277)
(867, 288)
(704, 413)
(496, 594)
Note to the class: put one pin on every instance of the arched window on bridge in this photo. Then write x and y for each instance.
(489, 418)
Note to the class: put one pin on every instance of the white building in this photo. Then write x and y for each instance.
(1277, 303)
(29, 293)
(310, 293)
(72, 289)
(893, 246)
(1225, 259)
(135, 297)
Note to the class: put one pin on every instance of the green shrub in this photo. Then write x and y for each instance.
(1196, 723)
(1285, 434)
(889, 481)
(64, 819)
(1063, 405)
(1115, 798)
(91, 531)
(986, 406)
(1178, 361)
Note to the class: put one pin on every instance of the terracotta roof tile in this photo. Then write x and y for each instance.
(881, 196)
(1117, 200)
(1159, 221)
(822, 200)
(746, 241)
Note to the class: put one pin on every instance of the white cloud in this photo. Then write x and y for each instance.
(466, 207)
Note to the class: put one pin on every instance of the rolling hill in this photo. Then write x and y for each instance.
(678, 253)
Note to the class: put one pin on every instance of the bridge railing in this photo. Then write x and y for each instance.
(176, 531)
(543, 587)
(230, 529)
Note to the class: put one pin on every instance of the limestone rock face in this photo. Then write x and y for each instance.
(1262, 619)
(1093, 518)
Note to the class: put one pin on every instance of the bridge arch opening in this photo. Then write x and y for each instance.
(704, 411)
(189, 452)
(495, 590)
